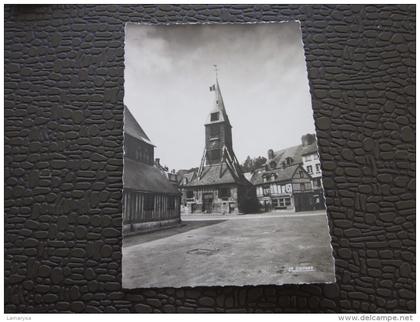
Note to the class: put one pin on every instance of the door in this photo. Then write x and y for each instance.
(207, 202)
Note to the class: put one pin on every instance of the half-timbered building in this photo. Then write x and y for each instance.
(150, 200)
(284, 188)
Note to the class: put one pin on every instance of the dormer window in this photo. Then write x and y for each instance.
(273, 164)
(289, 160)
(214, 116)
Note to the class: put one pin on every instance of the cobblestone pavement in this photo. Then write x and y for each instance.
(270, 248)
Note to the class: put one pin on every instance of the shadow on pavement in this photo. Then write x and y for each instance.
(181, 228)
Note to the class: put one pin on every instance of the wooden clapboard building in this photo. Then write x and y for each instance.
(219, 185)
(150, 200)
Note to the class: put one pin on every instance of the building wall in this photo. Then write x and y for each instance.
(220, 204)
(138, 150)
(224, 135)
(137, 209)
(281, 195)
(312, 161)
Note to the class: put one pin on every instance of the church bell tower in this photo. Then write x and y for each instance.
(218, 147)
(218, 129)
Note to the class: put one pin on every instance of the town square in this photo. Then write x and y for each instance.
(253, 249)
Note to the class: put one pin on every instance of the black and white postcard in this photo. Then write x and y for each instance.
(222, 180)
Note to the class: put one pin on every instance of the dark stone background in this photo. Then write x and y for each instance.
(64, 88)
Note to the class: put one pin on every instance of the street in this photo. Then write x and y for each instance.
(270, 248)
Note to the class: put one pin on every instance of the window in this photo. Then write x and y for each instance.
(224, 192)
(318, 168)
(190, 194)
(309, 169)
(317, 182)
(281, 202)
(301, 174)
(266, 190)
(287, 201)
(273, 164)
(273, 189)
(214, 116)
(275, 203)
(289, 160)
(302, 187)
(171, 203)
(149, 202)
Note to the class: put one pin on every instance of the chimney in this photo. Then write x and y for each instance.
(270, 154)
(308, 139)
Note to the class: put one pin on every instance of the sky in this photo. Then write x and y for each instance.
(262, 76)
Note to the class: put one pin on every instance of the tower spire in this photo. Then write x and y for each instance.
(219, 106)
(215, 70)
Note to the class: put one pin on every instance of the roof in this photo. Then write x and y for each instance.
(219, 106)
(133, 128)
(215, 174)
(310, 149)
(184, 173)
(282, 174)
(143, 177)
(294, 152)
(189, 176)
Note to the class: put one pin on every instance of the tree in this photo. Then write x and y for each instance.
(259, 162)
(250, 164)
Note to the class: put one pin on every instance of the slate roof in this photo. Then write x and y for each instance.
(143, 177)
(294, 152)
(214, 174)
(219, 106)
(185, 174)
(133, 128)
(282, 174)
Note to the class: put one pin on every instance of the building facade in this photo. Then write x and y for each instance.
(293, 196)
(150, 200)
(287, 188)
(219, 185)
(312, 165)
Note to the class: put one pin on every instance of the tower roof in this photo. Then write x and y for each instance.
(218, 113)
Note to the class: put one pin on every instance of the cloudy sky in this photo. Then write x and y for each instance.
(262, 76)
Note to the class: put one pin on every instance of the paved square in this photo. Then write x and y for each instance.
(270, 248)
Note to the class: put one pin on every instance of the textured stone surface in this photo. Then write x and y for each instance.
(64, 68)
